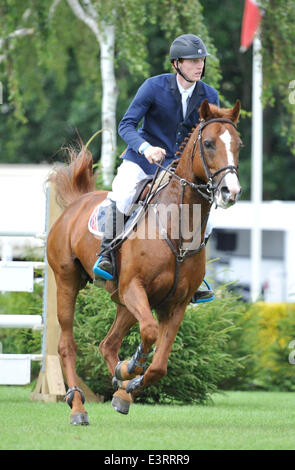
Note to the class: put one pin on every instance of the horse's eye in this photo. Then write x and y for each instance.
(209, 144)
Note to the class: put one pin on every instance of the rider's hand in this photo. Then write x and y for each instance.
(154, 154)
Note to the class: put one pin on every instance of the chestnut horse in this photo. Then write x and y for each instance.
(152, 273)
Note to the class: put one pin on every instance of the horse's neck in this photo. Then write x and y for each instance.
(184, 170)
(176, 193)
(185, 165)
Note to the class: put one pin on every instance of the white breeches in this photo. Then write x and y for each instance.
(124, 183)
(123, 187)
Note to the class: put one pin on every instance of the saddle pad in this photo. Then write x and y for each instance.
(97, 219)
(96, 223)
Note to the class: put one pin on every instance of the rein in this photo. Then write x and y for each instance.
(207, 191)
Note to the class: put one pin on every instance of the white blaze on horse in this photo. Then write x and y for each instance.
(231, 188)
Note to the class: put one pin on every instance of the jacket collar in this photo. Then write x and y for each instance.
(196, 99)
(174, 89)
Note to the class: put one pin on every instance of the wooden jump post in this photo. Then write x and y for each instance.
(50, 385)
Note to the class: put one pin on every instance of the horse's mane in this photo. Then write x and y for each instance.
(215, 113)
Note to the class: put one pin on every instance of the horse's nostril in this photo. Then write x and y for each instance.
(225, 192)
(230, 195)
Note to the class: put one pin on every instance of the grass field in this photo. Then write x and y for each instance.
(237, 420)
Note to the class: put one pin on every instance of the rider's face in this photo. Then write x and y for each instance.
(192, 68)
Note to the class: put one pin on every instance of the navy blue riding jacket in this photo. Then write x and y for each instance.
(158, 103)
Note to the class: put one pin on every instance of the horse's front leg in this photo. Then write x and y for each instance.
(109, 348)
(135, 298)
(168, 328)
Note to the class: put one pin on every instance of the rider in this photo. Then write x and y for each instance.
(168, 104)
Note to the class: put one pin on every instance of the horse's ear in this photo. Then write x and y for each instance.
(236, 112)
(205, 112)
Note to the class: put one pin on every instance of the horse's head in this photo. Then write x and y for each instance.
(219, 144)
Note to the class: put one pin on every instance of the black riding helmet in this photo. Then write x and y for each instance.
(188, 46)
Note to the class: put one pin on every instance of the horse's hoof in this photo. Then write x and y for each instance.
(79, 419)
(120, 405)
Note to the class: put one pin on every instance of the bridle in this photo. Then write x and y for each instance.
(209, 189)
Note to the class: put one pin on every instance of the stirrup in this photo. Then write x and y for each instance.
(205, 296)
(100, 272)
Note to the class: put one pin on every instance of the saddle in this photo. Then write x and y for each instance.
(148, 184)
(146, 189)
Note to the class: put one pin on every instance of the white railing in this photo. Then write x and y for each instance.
(21, 321)
(18, 276)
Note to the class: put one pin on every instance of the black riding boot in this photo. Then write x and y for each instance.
(104, 263)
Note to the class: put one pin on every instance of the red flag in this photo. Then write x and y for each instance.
(251, 20)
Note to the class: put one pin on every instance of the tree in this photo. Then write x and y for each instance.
(279, 61)
(224, 24)
(119, 28)
(104, 31)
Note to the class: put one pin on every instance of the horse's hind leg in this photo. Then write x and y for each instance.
(109, 347)
(67, 291)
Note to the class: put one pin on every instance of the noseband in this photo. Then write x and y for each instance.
(208, 190)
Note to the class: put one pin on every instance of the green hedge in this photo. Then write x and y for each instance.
(224, 344)
(263, 343)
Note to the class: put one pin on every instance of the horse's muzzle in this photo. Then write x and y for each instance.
(228, 196)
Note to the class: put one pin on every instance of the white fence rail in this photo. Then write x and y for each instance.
(21, 321)
(18, 276)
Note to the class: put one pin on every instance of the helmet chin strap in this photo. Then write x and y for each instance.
(182, 74)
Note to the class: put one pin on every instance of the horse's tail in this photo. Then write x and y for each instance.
(75, 179)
